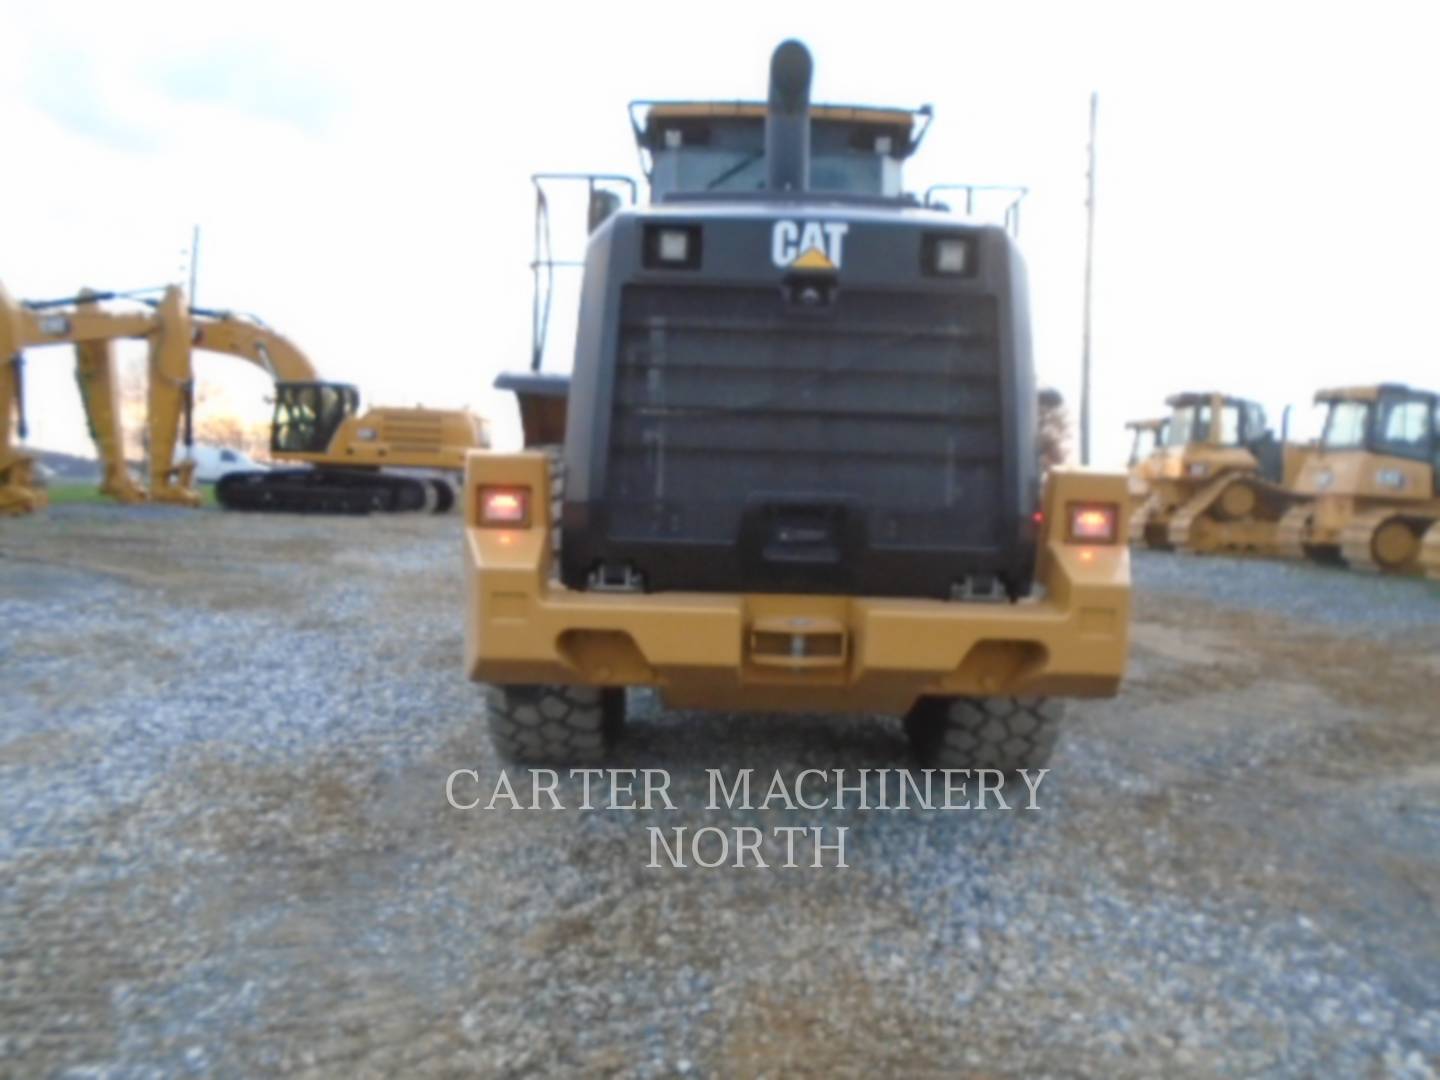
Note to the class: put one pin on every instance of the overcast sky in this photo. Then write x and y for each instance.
(1268, 175)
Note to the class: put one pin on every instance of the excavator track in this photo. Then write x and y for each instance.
(1231, 513)
(331, 491)
(1383, 541)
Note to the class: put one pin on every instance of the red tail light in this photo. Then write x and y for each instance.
(1092, 523)
(504, 507)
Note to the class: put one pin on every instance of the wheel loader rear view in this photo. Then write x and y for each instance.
(1221, 482)
(799, 467)
(1374, 485)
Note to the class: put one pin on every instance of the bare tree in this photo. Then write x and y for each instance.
(1054, 433)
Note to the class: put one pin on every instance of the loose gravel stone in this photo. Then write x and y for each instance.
(226, 848)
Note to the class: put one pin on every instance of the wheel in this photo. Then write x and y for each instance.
(1236, 503)
(564, 725)
(1395, 546)
(556, 456)
(444, 496)
(985, 733)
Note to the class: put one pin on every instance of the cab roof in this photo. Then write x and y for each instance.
(1370, 393)
(906, 125)
(1176, 401)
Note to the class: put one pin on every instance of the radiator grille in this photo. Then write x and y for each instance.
(889, 401)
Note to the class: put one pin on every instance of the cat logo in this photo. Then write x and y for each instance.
(809, 245)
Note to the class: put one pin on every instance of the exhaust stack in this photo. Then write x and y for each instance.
(787, 119)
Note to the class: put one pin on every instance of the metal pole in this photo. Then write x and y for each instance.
(1089, 262)
(194, 262)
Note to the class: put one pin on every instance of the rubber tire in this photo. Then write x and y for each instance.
(444, 496)
(985, 733)
(554, 725)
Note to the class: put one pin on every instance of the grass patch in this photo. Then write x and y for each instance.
(89, 494)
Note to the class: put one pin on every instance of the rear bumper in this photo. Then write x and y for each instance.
(801, 652)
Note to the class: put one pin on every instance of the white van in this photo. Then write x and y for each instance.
(213, 462)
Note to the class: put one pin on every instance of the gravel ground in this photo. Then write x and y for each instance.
(226, 846)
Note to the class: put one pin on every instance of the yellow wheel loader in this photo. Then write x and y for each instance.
(798, 469)
(92, 330)
(1373, 487)
(1222, 481)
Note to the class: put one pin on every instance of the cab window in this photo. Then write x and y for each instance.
(1230, 425)
(1254, 423)
(1345, 425)
(1403, 427)
(1188, 424)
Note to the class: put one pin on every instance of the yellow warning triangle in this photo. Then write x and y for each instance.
(812, 259)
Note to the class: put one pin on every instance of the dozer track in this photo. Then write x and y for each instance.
(1430, 552)
(1148, 527)
(1384, 541)
(1291, 531)
(1231, 513)
(331, 491)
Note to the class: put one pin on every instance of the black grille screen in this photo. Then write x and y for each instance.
(887, 401)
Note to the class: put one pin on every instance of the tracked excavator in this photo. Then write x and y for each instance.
(1222, 481)
(349, 456)
(1373, 487)
(81, 321)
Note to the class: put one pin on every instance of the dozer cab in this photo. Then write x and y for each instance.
(798, 469)
(1221, 482)
(1374, 484)
(1147, 454)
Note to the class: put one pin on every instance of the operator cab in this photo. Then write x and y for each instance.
(1149, 437)
(1215, 419)
(1390, 420)
(307, 415)
(1220, 421)
(694, 147)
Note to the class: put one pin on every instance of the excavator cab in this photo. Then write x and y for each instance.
(307, 415)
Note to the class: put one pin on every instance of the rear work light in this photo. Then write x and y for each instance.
(505, 507)
(947, 255)
(672, 247)
(1093, 523)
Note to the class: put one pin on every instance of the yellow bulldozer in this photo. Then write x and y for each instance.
(1147, 452)
(798, 469)
(1373, 486)
(1221, 482)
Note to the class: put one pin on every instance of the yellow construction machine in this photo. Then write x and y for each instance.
(348, 455)
(1147, 452)
(81, 321)
(1373, 486)
(798, 468)
(1222, 481)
